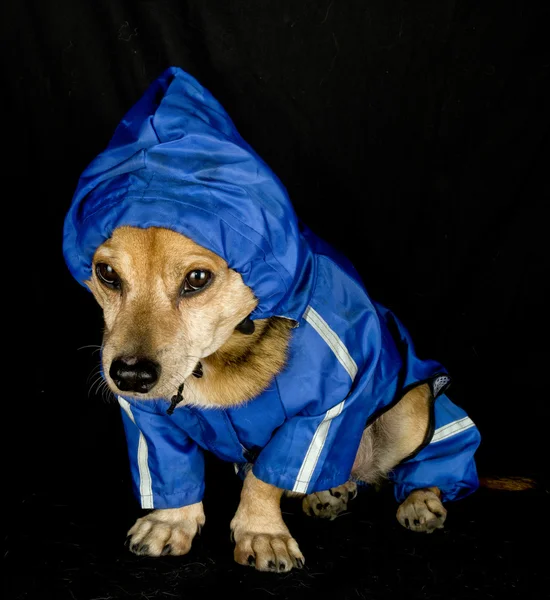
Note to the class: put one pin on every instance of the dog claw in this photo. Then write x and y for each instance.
(167, 549)
(140, 548)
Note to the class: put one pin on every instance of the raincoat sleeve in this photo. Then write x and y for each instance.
(447, 461)
(167, 466)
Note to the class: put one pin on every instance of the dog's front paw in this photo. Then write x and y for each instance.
(166, 532)
(330, 503)
(267, 552)
(422, 511)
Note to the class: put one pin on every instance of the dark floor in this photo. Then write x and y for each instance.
(69, 545)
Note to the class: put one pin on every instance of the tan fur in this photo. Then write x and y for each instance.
(508, 484)
(393, 436)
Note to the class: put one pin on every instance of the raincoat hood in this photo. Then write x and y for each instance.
(177, 161)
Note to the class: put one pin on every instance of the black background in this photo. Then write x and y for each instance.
(411, 135)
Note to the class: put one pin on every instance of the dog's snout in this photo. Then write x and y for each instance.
(132, 374)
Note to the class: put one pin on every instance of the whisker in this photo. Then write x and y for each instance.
(95, 371)
(98, 383)
(107, 394)
(96, 348)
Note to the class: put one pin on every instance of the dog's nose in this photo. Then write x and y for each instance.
(134, 374)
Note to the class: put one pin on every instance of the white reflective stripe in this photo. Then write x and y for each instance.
(320, 436)
(447, 431)
(314, 450)
(332, 339)
(145, 481)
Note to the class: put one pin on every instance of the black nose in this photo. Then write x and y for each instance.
(134, 374)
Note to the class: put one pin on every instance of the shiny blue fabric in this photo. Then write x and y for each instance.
(177, 161)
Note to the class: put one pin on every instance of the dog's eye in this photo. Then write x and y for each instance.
(196, 280)
(107, 275)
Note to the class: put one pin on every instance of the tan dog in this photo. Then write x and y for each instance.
(169, 303)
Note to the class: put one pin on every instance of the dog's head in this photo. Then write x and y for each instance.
(167, 303)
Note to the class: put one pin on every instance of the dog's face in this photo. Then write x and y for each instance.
(167, 303)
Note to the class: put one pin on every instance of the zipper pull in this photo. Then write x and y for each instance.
(176, 399)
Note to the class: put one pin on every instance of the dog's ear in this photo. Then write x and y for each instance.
(246, 326)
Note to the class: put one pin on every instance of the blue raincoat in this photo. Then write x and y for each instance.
(177, 161)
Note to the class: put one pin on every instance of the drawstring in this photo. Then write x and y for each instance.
(177, 398)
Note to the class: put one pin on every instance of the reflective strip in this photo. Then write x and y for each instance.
(314, 450)
(447, 431)
(332, 339)
(145, 481)
(319, 438)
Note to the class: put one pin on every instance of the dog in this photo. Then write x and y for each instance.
(231, 328)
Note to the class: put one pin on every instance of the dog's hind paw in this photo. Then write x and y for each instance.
(422, 511)
(166, 532)
(330, 503)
